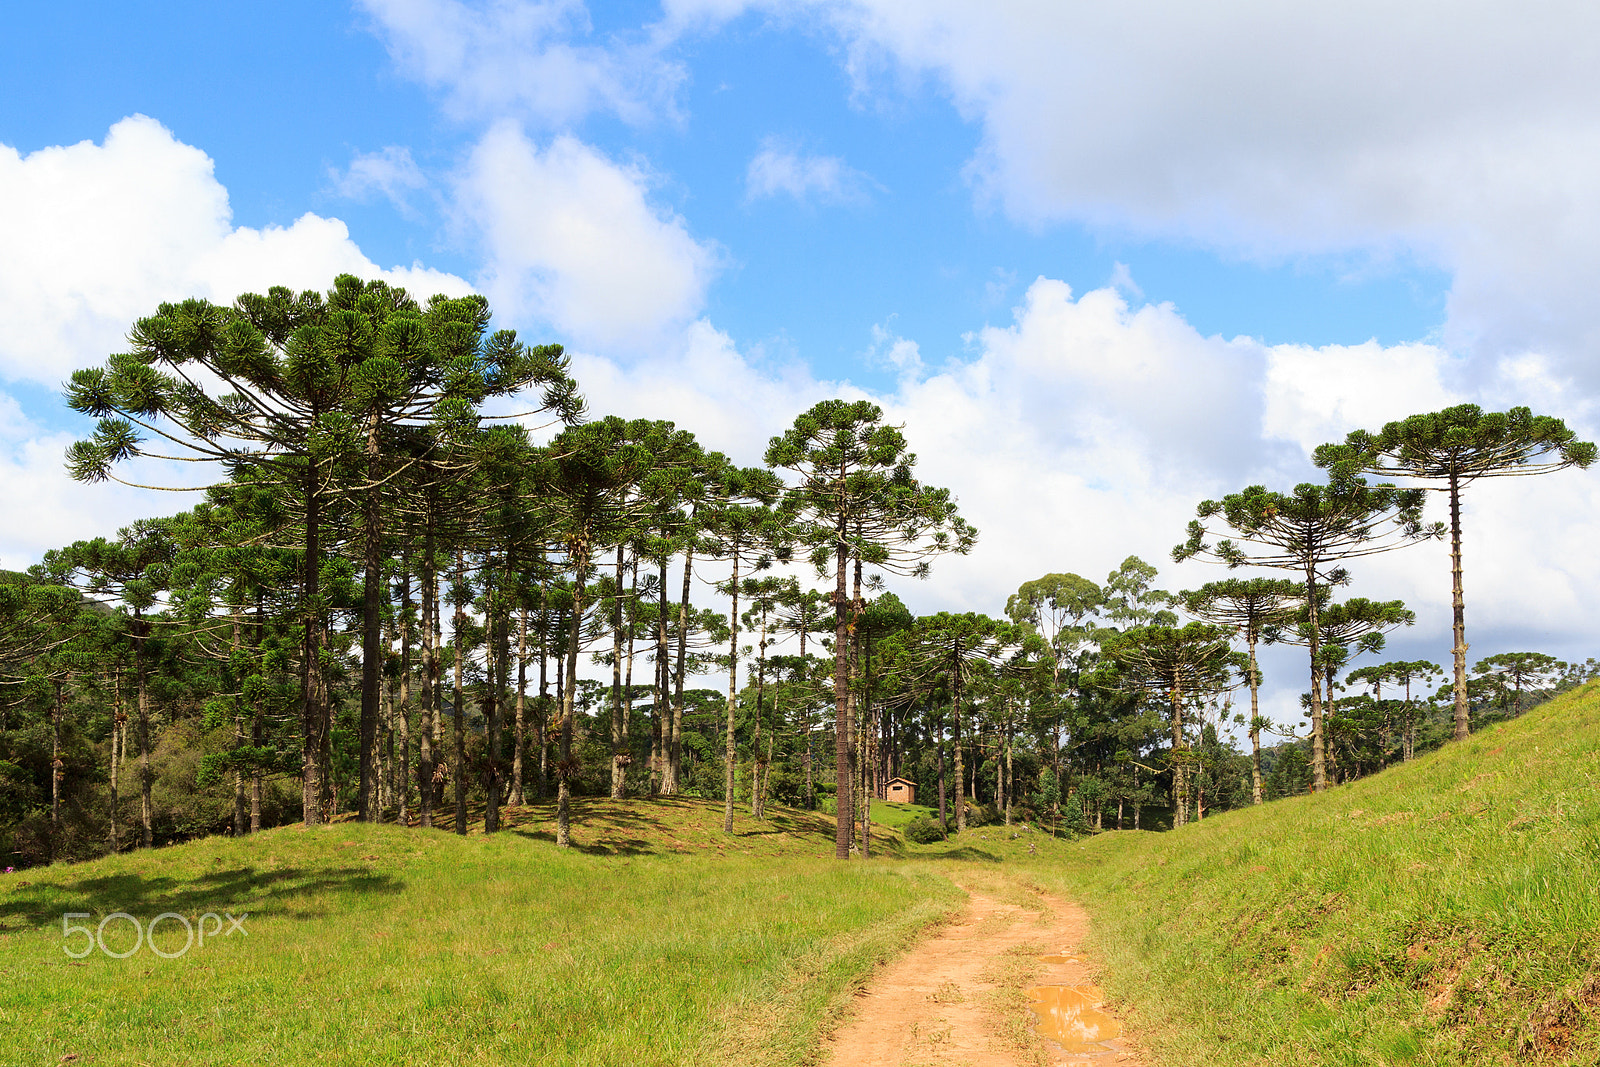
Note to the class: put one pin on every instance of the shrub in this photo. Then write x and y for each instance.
(923, 831)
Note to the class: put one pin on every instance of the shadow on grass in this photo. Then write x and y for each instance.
(961, 852)
(240, 888)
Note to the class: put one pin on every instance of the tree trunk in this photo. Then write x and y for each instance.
(1458, 613)
(430, 669)
(494, 657)
(961, 786)
(627, 672)
(146, 776)
(619, 756)
(1180, 784)
(675, 742)
(315, 709)
(943, 815)
(458, 621)
(118, 718)
(1255, 725)
(521, 729)
(732, 752)
(1319, 762)
(371, 661)
(57, 771)
(845, 822)
(569, 691)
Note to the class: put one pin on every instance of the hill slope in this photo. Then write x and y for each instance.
(1444, 911)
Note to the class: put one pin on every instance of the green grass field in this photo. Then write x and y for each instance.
(1444, 912)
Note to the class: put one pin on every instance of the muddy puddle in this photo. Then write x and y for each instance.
(1058, 959)
(1071, 1017)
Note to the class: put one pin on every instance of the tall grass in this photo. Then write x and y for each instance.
(1445, 911)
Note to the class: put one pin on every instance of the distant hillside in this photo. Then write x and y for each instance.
(1444, 911)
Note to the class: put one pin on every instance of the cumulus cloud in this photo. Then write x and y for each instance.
(571, 240)
(98, 235)
(531, 58)
(781, 169)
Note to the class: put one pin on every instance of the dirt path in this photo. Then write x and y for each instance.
(957, 998)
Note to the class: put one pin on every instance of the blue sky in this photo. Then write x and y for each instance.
(1102, 259)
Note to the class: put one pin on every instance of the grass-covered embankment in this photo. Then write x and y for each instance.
(658, 941)
(1445, 911)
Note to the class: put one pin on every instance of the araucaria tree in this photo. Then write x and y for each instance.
(855, 498)
(1249, 607)
(334, 401)
(1309, 531)
(1453, 448)
(1181, 664)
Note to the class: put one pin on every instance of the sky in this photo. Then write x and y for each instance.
(1102, 260)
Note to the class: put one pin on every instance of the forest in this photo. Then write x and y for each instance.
(426, 584)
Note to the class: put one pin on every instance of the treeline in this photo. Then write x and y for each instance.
(414, 594)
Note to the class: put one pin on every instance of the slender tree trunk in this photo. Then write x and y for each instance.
(426, 727)
(522, 700)
(494, 657)
(1255, 724)
(732, 751)
(758, 771)
(961, 788)
(258, 719)
(403, 704)
(661, 710)
(619, 753)
(627, 672)
(146, 775)
(315, 709)
(1458, 613)
(458, 621)
(565, 767)
(239, 815)
(542, 705)
(675, 742)
(843, 764)
(1180, 784)
(943, 815)
(118, 718)
(57, 770)
(371, 654)
(1319, 761)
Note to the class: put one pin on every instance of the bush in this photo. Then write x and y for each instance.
(923, 831)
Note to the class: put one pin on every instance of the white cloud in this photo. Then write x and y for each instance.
(571, 240)
(391, 173)
(525, 57)
(1317, 395)
(781, 169)
(98, 235)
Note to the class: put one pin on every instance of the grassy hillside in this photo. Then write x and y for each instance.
(1446, 911)
(658, 940)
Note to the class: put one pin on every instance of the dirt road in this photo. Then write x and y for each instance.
(959, 998)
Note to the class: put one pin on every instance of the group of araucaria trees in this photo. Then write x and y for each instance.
(422, 586)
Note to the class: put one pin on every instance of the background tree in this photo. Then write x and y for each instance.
(1309, 531)
(1249, 607)
(1456, 447)
(855, 497)
(1183, 665)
